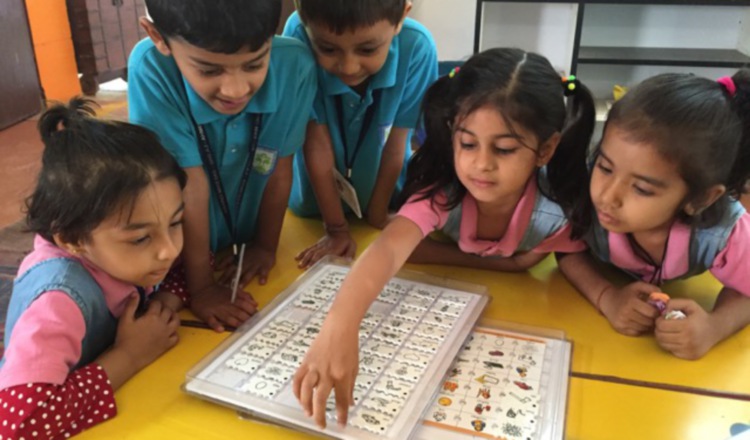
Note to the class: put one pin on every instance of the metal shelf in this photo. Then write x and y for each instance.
(657, 56)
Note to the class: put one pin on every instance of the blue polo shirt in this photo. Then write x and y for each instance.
(160, 99)
(410, 68)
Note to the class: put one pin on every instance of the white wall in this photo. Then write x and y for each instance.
(545, 28)
(540, 27)
(696, 27)
(451, 23)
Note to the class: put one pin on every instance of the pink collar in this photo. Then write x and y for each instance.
(676, 258)
(508, 244)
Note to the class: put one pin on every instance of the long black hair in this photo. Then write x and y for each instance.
(527, 91)
(697, 124)
(90, 169)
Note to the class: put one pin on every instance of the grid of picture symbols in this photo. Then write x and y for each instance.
(493, 389)
(399, 337)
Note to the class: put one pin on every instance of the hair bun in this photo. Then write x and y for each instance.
(61, 117)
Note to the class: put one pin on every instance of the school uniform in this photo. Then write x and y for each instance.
(723, 250)
(75, 291)
(536, 225)
(62, 316)
(161, 99)
(393, 97)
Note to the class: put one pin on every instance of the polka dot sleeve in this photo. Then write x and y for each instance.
(48, 411)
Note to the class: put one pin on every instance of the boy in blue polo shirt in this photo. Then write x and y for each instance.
(374, 65)
(229, 101)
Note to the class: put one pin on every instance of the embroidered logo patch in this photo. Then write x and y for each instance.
(264, 161)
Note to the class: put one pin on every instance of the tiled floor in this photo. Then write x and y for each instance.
(21, 151)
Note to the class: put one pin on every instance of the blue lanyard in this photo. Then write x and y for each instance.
(209, 162)
(366, 123)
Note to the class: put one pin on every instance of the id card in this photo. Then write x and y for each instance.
(347, 192)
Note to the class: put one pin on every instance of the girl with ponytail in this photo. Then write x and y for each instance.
(488, 175)
(663, 204)
(83, 316)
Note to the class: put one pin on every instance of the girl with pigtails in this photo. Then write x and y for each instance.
(661, 203)
(499, 145)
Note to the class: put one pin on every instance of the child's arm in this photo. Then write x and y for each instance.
(431, 251)
(391, 164)
(421, 72)
(625, 308)
(139, 341)
(210, 301)
(692, 337)
(260, 255)
(85, 399)
(86, 396)
(37, 383)
(320, 162)
(332, 362)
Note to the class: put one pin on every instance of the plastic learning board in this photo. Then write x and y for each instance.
(504, 384)
(408, 339)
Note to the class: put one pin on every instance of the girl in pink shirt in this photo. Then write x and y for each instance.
(491, 126)
(107, 213)
(663, 205)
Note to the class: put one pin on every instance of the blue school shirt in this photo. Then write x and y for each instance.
(410, 68)
(160, 99)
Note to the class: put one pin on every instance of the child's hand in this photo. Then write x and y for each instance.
(213, 305)
(340, 244)
(331, 363)
(256, 262)
(169, 299)
(147, 337)
(627, 310)
(688, 338)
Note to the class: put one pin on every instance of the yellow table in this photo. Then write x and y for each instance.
(544, 298)
(152, 405)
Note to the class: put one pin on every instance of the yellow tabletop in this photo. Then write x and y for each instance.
(605, 411)
(542, 297)
(151, 405)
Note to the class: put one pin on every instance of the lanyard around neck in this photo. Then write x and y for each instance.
(209, 162)
(641, 253)
(366, 124)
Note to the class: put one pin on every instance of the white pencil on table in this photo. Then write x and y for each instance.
(236, 282)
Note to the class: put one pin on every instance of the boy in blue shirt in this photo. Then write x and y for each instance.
(225, 97)
(374, 65)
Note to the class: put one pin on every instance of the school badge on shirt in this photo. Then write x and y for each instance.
(265, 161)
